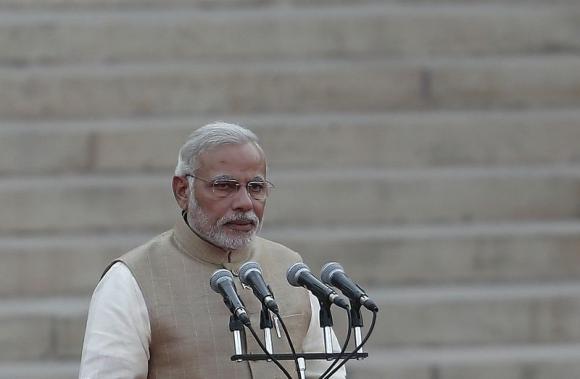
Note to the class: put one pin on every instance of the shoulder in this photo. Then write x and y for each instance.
(128, 263)
(140, 253)
(118, 282)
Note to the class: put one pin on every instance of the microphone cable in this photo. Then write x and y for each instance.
(292, 349)
(351, 355)
(344, 346)
(267, 352)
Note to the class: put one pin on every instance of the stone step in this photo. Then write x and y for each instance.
(31, 5)
(366, 85)
(517, 362)
(42, 329)
(285, 33)
(435, 255)
(383, 140)
(545, 362)
(59, 265)
(477, 315)
(101, 203)
(34, 266)
(40, 370)
(53, 328)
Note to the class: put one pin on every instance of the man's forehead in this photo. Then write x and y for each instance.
(232, 160)
(247, 149)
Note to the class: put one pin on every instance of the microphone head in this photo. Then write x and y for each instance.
(341, 302)
(328, 270)
(370, 305)
(247, 268)
(218, 277)
(294, 273)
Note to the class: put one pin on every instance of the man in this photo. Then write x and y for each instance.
(154, 315)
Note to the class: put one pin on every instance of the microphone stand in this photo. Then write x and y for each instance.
(356, 323)
(302, 367)
(266, 325)
(237, 327)
(326, 324)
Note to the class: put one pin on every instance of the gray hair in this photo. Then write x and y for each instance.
(209, 136)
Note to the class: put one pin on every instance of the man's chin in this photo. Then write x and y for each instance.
(238, 243)
(234, 240)
(242, 237)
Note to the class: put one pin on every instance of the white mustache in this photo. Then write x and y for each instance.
(244, 217)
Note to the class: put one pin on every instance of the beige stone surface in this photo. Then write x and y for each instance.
(96, 203)
(393, 257)
(40, 370)
(506, 82)
(304, 87)
(37, 329)
(34, 266)
(212, 4)
(324, 141)
(512, 362)
(432, 139)
(429, 146)
(69, 333)
(374, 199)
(207, 88)
(58, 265)
(450, 317)
(362, 370)
(25, 337)
(44, 151)
(87, 203)
(472, 316)
(274, 33)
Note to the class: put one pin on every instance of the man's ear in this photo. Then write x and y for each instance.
(181, 191)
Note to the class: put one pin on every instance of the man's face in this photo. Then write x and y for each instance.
(230, 222)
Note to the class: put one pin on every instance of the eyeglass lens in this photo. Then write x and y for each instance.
(224, 188)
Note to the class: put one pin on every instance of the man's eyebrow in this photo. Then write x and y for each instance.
(257, 178)
(224, 177)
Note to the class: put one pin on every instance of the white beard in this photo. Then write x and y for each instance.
(216, 234)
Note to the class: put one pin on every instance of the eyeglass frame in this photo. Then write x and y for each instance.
(268, 186)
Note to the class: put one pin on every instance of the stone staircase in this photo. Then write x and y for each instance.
(431, 147)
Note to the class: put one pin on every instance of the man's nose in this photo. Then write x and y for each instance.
(242, 200)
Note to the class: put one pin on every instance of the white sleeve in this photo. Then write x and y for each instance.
(118, 333)
(314, 343)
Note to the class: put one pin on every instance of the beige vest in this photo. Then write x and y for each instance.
(190, 336)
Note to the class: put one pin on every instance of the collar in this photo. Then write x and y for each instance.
(194, 246)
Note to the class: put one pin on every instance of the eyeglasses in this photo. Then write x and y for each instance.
(222, 188)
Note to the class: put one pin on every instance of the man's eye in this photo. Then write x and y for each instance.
(256, 187)
(225, 186)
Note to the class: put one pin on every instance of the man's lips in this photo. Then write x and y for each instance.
(241, 225)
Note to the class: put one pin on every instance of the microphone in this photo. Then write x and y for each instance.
(222, 282)
(251, 275)
(333, 274)
(299, 275)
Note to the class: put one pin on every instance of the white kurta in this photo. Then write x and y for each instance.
(118, 333)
